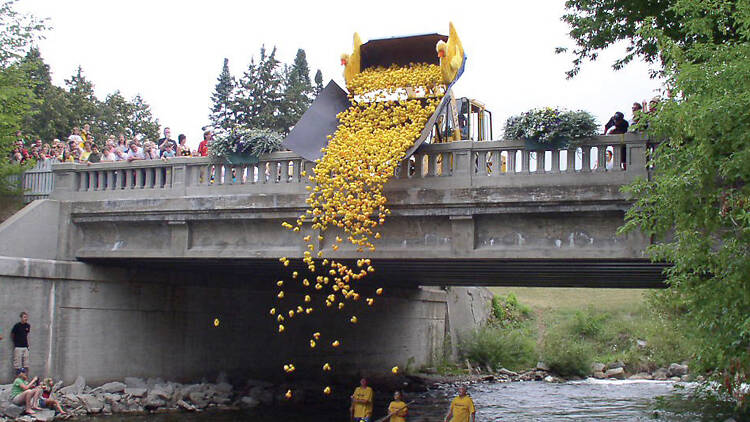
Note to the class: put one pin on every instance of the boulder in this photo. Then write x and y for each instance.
(91, 403)
(163, 391)
(641, 376)
(10, 410)
(248, 402)
(542, 366)
(503, 371)
(76, 388)
(136, 391)
(110, 398)
(615, 365)
(190, 388)
(45, 415)
(222, 378)
(660, 374)
(153, 402)
(641, 344)
(113, 387)
(182, 404)
(134, 382)
(618, 373)
(151, 382)
(677, 370)
(599, 375)
(198, 399)
(597, 367)
(224, 387)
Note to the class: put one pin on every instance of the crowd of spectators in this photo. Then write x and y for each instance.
(81, 147)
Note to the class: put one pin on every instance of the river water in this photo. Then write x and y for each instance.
(589, 400)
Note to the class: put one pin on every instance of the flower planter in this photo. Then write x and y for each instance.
(533, 145)
(242, 158)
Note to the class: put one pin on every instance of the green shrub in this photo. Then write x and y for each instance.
(508, 312)
(547, 125)
(567, 356)
(495, 346)
(588, 323)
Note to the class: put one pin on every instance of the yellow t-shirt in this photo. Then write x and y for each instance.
(362, 410)
(400, 416)
(462, 408)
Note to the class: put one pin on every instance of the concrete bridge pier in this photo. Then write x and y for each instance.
(105, 323)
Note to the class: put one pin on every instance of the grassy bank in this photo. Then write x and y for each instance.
(569, 329)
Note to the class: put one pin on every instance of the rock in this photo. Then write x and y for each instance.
(153, 402)
(222, 378)
(91, 403)
(542, 366)
(677, 370)
(10, 410)
(641, 376)
(136, 391)
(618, 373)
(198, 399)
(641, 344)
(135, 382)
(45, 415)
(597, 367)
(151, 382)
(111, 398)
(660, 374)
(615, 365)
(163, 391)
(76, 388)
(190, 388)
(675, 379)
(249, 402)
(182, 404)
(507, 372)
(599, 375)
(261, 394)
(224, 387)
(113, 387)
(685, 378)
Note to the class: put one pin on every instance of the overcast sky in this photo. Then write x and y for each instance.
(171, 52)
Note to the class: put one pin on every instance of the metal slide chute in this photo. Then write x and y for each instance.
(310, 134)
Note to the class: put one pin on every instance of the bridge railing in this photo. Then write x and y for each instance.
(459, 164)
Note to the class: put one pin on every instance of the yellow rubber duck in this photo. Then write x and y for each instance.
(351, 62)
(451, 55)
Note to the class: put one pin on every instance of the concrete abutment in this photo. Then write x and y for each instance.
(105, 323)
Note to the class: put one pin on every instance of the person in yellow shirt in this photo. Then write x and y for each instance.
(462, 407)
(361, 409)
(398, 409)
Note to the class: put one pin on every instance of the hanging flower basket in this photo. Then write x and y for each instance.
(550, 128)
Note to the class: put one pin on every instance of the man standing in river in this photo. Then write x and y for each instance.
(462, 407)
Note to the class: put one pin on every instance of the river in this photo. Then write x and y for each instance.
(590, 400)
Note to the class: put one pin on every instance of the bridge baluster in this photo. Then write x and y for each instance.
(284, 171)
(601, 158)
(617, 164)
(541, 157)
(555, 161)
(586, 159)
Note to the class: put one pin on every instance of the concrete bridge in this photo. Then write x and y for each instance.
(119, 244)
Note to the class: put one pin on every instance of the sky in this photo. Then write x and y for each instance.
(171, 52)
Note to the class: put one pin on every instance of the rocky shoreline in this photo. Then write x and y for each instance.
(139, 396)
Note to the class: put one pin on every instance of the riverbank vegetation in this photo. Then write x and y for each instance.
(569, 329)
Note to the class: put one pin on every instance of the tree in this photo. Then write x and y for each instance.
(50, 117)
(141, 119)
(115, 114)
(697, 204)
(597, 24)
(318, 82)
(298, 92)
(258, 101)
(84, 106)
(17, 32)
(222, 113)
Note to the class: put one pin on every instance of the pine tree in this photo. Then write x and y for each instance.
(222, 112)
(141, 120)
(84, 105)
(298, 92)
(318, 82)
(259, 96)
(115, 115)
